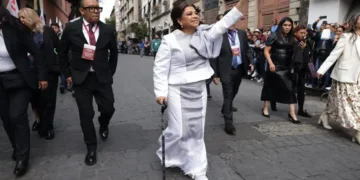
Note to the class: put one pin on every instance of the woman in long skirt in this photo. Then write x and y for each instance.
(278, 85)
(180, 70)
(343, 106)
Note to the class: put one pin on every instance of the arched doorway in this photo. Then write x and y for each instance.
(270, 10)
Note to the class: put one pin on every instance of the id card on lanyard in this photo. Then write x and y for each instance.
(89, 50)
(234, 48)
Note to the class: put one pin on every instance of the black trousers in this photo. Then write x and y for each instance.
(208, 82)
(104, 98)
(230, 88)
(13, 112)
(44, 102)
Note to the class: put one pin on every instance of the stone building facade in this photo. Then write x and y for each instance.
(257, 13)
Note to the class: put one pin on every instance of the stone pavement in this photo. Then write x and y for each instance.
(262, 148)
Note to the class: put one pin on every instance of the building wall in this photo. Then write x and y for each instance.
(335, 10)
(57, 8)
(52, 9)
(243, 22)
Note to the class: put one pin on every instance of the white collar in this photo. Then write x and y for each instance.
(87, 23)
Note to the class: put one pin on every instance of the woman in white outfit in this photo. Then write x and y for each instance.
(180, 69)
(344, 98)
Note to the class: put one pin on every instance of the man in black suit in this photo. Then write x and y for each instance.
(91, 70)
(232, 64)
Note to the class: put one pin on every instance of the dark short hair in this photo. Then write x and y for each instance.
(178, 10)
(342, 27)
(55, 24)
(300, 27)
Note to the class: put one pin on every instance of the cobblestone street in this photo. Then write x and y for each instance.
(262, 149)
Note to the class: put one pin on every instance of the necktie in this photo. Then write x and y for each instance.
(235, 63)
(92, 35)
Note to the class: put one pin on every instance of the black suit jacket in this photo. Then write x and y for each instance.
(49, 48)
(223, 64)
(74, 39)
(19, 42)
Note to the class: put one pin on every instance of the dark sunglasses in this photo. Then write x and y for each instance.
(92, 9)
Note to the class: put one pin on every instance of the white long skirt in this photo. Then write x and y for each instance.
(184, 136)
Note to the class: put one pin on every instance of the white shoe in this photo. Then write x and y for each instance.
(260, 80)
(324, 122)
(202, 177)
(254, 74)
(356, 137)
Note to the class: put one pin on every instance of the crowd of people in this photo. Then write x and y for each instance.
(322, 38)
(141, 48)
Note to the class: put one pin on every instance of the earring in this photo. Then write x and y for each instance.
(181, 26)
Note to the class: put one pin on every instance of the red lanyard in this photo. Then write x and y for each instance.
(88, 31)
(232, 39)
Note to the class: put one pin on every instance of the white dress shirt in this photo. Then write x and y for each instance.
(96, 33)
(6, 63)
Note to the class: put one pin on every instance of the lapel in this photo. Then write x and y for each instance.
(357, 44)
(9, 38)
(226, 42)
(241, 40)
(80, 28)
(101, 34)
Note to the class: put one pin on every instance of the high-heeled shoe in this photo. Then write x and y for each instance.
(291, 119)
(324, 123)
(356, 137)
(265, 115)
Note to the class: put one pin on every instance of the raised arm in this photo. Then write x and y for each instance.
(227, 21)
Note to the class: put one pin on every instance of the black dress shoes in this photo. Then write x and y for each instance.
(104, 132)
(304, 114)
(36, 125)
(90, 158)
(48, 135)
(234, 109)
(230, 128)
(21, 168)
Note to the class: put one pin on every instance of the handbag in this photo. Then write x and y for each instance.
(12, 80)
(312, 69)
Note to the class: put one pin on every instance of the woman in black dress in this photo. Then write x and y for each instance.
(278, 84)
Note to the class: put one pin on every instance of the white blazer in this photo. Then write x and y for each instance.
(170, 63)
(347, 55)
